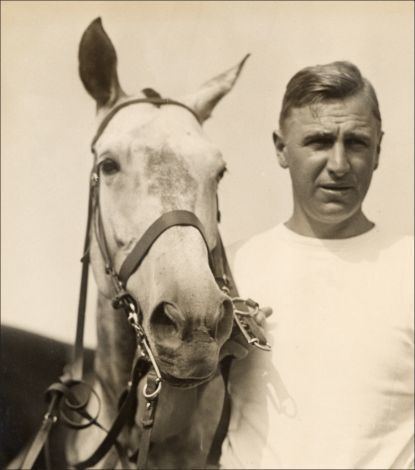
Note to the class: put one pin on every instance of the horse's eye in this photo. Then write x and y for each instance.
(109, 166)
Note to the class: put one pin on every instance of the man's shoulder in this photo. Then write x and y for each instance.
(253, 249)
(251, 243)
(391, 253)
(396, 244)
(400, 253)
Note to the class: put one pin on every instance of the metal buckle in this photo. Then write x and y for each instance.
(94, 179)
(240, 320)
(123, 298)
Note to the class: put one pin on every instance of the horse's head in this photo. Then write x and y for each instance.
(153, 160)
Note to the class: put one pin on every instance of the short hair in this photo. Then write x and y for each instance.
(320, 83)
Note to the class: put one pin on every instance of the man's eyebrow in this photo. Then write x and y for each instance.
(357, 134)
(314, 135)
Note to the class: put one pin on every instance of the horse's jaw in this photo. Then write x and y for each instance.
(188, 382)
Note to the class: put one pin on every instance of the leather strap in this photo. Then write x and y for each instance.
(38, 443)
(147, 421)
(126, 409)
(41, 436)
(76, 368)
(167, 220)
(222, 428)
(224, 278)
(156, 101)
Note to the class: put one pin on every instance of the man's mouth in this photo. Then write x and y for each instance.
(336, 187)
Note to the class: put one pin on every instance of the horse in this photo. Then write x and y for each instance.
(152, 159)
(155, 159)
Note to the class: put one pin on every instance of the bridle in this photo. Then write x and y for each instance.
(61, 394)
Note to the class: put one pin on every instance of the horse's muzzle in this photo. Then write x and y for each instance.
(171, 325)
(187, 344)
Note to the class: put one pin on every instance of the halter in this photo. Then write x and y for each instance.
(144, 363)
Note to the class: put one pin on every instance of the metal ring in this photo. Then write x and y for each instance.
(75, 424)
(251, 310)
(151, 396)
(79, 405)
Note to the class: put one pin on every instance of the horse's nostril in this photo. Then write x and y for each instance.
(224, 325)
(165, 321)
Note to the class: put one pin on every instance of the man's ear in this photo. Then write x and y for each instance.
(378, 150)
(280, 148)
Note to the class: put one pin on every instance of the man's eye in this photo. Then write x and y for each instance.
(109, 166)
(319, 144)
(356, 143)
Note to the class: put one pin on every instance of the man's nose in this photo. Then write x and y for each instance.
(337, 162)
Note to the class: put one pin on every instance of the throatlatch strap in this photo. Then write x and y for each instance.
(167, 220)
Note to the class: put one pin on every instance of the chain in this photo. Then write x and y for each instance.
(245, 320)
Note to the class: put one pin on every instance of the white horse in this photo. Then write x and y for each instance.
(153, 160)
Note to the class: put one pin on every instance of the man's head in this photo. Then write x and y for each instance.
(329, 139)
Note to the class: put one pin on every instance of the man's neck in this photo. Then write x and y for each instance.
(308, 227)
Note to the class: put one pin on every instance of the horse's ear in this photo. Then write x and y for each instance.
(211, 92)
(98, 65)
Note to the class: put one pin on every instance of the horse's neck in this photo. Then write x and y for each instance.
(115, 348)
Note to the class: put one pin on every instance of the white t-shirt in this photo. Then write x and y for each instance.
(337, 390)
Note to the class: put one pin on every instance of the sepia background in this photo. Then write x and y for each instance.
(48, 120)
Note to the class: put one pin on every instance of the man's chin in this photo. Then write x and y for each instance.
(331, 220)
(334, 213)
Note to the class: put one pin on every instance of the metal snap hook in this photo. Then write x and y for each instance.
(263, 347)
(151, 396)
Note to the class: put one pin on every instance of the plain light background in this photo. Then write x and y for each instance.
(48, 120)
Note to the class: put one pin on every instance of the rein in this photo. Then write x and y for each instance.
(60, 394)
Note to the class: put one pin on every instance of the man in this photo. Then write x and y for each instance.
(337, 389)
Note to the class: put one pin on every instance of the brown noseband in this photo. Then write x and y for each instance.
(167, 220)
